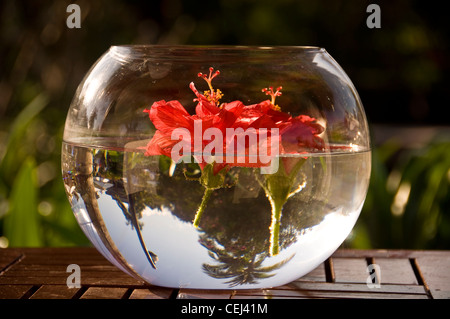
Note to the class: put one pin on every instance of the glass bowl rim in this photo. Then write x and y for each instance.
(164, 52)
(215, 47)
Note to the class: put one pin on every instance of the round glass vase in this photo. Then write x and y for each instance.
(216, 167)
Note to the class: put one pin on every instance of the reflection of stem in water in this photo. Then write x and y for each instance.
(211, 180)
(275, 226)
(277, 208)
(135, 222)
(202, 207)
(278, 189)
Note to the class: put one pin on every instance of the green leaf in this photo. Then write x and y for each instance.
(22, 223)
(9, 160)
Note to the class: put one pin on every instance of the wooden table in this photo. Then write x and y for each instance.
(41, 273)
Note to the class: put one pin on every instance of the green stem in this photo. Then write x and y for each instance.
(275, 228)
(202, 207)
(278, 188)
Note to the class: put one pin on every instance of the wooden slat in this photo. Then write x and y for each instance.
(99, 279)
(151, 293)
(204, 294)
(14, 291)
(104, 293)
(433, 265)
(436, 274)
(49, 266)
(317, 275)
(41, 273)
(8, 258)
(301, 294)
(388, 253)
(384, 288)
(353, 270)
(114, 278)
(299, 289)
(54, 292)
(396, 271)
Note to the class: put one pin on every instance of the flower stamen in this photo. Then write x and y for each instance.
(269, 91)
(211, 95)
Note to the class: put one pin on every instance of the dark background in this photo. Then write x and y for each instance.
(400, 70)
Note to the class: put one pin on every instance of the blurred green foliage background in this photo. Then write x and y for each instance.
(400, 71)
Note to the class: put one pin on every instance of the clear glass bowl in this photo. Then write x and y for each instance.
(183, 176)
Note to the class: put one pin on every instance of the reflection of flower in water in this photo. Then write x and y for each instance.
(241, 263)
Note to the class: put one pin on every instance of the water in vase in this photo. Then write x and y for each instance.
(139, 210)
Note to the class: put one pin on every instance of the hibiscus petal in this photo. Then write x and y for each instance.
(301, 135)
(228, 115)
(167, 116)
(204, 107)
(160, 144)
(311, 122)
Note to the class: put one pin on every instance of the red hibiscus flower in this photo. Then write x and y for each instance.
(170, 116)
(263, 125)
(259, 118)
